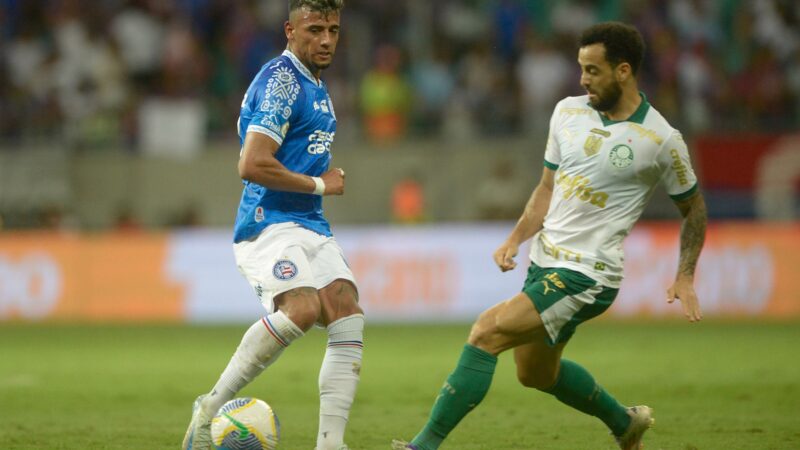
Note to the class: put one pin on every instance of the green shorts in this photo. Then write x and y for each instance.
(565, 299)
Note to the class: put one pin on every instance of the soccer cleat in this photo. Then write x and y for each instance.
(198, 435)
(343, 447)
(397, 444)
(641, 420)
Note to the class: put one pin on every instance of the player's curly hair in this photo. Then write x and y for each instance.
(623, 43)
(324, 7)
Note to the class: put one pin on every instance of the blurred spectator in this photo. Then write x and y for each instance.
(126, 221)
(139, 35)
(544, 74)
(571, 17)
(695, 81)
(434, 84)
(408, 200)
(185, 70)
(189, 217)
(385, 97)
(80, 70)
(510, 21)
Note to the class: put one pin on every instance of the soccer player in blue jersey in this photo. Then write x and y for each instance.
(282, 242)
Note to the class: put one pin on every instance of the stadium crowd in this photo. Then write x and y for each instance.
(78, 71)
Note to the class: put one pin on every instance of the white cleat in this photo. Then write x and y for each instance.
(641, 420)
(343, 447)
(198, 435)
(398, 444)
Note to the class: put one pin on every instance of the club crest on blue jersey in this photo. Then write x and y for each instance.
(284, 270)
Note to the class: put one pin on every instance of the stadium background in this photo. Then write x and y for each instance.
(118, 185)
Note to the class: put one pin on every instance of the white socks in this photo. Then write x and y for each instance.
(338, 379)
(264, 342)
(261, 346)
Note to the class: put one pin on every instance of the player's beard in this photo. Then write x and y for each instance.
(608, 98)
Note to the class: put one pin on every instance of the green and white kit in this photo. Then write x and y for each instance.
(606, 171)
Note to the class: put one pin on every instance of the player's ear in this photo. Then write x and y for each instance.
(288, 29)
(623, 72)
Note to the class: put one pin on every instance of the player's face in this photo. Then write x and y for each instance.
(313, 37)
(598, 77)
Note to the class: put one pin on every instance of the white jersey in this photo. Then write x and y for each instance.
(606, 171)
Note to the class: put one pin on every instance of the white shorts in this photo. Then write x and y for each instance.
(286, 256)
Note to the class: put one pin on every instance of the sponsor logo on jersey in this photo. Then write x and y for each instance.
(320, 142)
(575, 111)
(323, 106)
(284, 270)
(578, 187)
(259, 214)
(558, 252)
(679, 167)
(552, 276)
(645, 133)
(621, 156)
(555, 279)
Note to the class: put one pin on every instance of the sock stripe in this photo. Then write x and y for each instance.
(356, 344)
(274, 332)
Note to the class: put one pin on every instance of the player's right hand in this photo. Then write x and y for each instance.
(504, 256)
(334, 181)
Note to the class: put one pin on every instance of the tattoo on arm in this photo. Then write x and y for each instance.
(693, 235)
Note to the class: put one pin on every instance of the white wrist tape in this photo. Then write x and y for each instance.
(319, 186)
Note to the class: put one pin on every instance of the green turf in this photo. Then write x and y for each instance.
(713, 386)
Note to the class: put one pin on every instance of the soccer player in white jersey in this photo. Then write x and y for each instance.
(282, 243)
(605, 154)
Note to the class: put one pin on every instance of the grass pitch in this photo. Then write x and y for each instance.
(715, 385)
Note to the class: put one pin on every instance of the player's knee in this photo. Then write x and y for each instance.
(485, 333)
(339, 300)
(302, 306)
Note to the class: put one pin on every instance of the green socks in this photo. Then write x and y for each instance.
(462, 392)
(576, 387)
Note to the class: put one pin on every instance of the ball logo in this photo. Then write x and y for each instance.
(284, 270)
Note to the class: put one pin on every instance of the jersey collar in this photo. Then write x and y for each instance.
(301, 67)
(637, 116)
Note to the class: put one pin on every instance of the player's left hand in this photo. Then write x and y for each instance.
(504, 256)
(683, 290)
(334, 181)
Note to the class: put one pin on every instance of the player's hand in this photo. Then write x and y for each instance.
(504, 256)
(683, 290)
(334, 181)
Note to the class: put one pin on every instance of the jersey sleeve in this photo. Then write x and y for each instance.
(552, 152)
(276, 102)
(677, 173)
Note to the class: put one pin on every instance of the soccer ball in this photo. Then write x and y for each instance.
(245, 424)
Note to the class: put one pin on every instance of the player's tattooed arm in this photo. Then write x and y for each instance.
(693, 233)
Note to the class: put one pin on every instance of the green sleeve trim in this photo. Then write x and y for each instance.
(550, 165)
(685, 195)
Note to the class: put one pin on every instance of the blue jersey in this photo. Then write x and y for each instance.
(287, 103)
